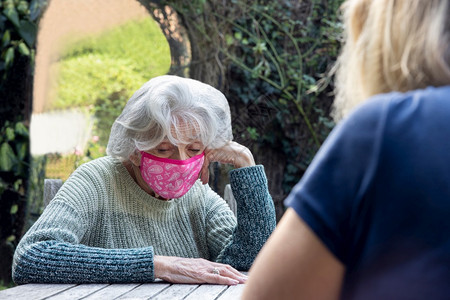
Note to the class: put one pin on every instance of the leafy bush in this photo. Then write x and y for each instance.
(140, 41)
(14, 158)
(84, 80)
(283, 52)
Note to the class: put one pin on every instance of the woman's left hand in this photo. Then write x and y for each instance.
(232, 153)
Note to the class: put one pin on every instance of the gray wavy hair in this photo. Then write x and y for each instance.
(161, 107)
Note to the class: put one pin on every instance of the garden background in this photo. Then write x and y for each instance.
(272, 59)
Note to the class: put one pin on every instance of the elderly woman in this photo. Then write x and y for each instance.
(370, 217)
(142, 212)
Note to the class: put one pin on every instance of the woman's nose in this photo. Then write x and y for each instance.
(180, 154)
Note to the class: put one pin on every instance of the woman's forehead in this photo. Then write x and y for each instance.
(185, 131)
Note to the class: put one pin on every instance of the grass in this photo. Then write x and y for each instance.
(118, 61)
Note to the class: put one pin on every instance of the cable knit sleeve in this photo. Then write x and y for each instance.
(50, 252)
(255, 217)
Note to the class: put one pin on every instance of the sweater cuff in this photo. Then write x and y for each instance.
(248, 180)
(247, 177)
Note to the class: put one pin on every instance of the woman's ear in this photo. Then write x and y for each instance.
(135, 158)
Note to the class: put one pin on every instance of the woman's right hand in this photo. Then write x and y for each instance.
(195, 270)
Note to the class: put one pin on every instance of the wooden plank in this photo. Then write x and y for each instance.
(176, 291)
(113, 291)
(234, 292)
(34, 291)
(207, 292)
(145, 291)
(79, 291)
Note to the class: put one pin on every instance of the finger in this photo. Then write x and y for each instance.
(230, 271)
(219, 279)
(204, 172)
(205, 176)
(234, 274)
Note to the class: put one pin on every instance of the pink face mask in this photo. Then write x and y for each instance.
(170, 178)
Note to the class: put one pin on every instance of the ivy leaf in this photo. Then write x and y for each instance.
(22, 8)
(23, 49)
(7, 157)
(11, 13)
(21, 151)
(28, 32)
(229, 40)
(9, 57)
(6, 38)
(36, 7)
(21, 129)
(14, 209)
(9, 134)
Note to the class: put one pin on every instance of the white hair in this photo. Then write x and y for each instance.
(161, 107)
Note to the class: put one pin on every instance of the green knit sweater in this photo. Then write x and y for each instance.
(102, 227)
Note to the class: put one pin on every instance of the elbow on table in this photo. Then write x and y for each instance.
(27, 267)
(20, 273)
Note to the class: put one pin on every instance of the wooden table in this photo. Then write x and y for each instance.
(155, 290)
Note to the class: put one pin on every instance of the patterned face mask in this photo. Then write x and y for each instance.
(170, 178)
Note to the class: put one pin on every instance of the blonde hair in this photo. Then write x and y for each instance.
(391, 45)
(162, 108)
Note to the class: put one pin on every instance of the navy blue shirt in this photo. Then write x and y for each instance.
(378, 195)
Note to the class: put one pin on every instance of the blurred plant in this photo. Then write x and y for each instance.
(93, 150)
(283, 52)
(101, 72)
(17, 24)
(14, 168)
(18, 29)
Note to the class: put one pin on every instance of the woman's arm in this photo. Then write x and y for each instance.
(255, 217)
(294, 264)
(238, 243)
(255, 210)
(51, 252)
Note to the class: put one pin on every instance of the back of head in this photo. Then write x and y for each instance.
(165, 105)
(391, 45)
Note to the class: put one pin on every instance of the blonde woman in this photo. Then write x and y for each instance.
(370, 218)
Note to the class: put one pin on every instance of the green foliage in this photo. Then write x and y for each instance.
(14, 158)
(86, 79)
(283, 54)
(94, 149)
(117, 61)
(18, 31)
(140, 41)
(36, 189)
(13, 152)
(100, 73)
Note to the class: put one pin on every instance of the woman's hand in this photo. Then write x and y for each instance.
(232, 153)
(195, 270)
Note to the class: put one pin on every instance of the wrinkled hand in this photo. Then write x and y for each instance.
(232, 153)
(195, 270)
